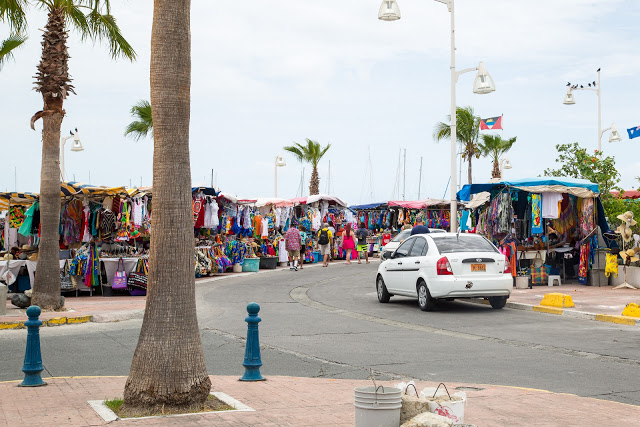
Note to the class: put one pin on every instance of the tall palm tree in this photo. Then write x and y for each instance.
(143, 126)
(168, 368)
(494, 146)
(8, 45)
(467, 132)
(310, 153)
(92, 19)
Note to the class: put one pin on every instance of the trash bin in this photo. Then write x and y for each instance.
(269, 262)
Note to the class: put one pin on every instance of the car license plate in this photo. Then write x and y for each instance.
(478, 267)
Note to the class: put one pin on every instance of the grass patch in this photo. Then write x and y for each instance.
(212, 404)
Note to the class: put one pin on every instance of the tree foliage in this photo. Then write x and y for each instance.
(493, 146)
(467, 133)
(8, 45)
(310, 153)
(143, 125)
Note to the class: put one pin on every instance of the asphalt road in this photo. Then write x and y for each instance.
(327, 322)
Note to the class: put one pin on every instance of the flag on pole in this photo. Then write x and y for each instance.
(493, 123)
(634, 132)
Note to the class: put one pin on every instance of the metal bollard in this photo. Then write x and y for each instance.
(252, 360)
(3, 299)
(33, 358)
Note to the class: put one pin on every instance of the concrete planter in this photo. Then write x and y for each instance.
(633, 276)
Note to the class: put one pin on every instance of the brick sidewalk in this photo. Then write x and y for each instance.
(288, 401)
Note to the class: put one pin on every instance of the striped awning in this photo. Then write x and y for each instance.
(72, 188)
(13, 198)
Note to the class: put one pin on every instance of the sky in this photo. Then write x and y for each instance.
(268, 74)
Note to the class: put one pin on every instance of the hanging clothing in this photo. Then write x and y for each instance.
(587, 223)
(264, 228)
(551, 205)
(536, 214)
(584, 263)
(137, 212)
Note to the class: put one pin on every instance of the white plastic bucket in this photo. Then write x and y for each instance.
(377, 408)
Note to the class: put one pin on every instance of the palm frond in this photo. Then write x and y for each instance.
(143, 126)
(14, 13)
(103, 27)
(297, 150)
(7, 47)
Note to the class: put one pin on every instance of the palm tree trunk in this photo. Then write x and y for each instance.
(470, 170)
(168, 367)
(52, 80)
(495, 173)
(46, 289)
(314, 185)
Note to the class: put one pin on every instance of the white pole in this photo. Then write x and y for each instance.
(599, 115)
(275, 180)
(404, 175)
(420, 180)
(454, 203)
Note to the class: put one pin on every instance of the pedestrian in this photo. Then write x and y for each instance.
(419, 228)
(348, 242)
(324, 242)
(362, 235)
(292, 240)
(333, 238)
(303, 244)
(406, 225)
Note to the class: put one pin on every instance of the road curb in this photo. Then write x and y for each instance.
(54, 321)
(582, 315)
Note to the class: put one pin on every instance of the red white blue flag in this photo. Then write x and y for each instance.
(634, 132)
(491, 123)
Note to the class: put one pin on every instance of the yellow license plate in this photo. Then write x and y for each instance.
(478, 267)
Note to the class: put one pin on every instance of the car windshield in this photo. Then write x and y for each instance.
(463, 243)
(402, 236)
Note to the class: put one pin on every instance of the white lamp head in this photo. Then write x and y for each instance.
(77, 145)
(280, 161)
(614, 136)
(389, 11)
(507, 163)
(483, 83)
(568, 98)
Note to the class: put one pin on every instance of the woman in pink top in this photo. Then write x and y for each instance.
(348, 242)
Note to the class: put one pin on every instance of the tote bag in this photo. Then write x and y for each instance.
(120, 278)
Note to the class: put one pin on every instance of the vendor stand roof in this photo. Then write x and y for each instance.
(577, 187)
(333, 201)
(273, 201)
(418, 204)
(13, 198)
(378, 205)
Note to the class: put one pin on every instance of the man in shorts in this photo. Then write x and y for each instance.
(292, 240)
(324, 242)
(332, 238)
(362, 235)
(303, 244)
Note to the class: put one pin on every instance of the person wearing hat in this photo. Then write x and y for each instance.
(324, 242)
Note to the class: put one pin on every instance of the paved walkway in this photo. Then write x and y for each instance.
(289, 401)
(591, 303)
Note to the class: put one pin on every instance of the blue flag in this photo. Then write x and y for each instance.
(634, 132)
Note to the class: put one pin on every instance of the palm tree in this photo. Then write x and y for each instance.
(143, 126)
(310, 153)
(467, 131)
(168, 368)
(7, 46)
(92, 19)
(494, 146)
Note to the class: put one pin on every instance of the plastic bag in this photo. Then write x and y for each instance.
(441, 402)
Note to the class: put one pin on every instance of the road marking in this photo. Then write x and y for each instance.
(300, 295)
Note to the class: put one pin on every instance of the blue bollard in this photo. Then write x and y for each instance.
(33, 358)
(252, 360)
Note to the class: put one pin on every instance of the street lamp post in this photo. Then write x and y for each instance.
(76, 146)
(570, 100)
(505, 163)
(279, 162)
(483, 84)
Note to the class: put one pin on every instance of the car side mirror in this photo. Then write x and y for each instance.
(392, 255)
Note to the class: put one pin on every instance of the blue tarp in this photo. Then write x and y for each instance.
(208, 191)
(468, 190)
(369, 206)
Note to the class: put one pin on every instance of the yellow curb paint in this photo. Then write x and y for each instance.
(621, 320)
(549, 310)
(79, 319)
(632, 310)
(555, 299)
(56, 321)
(12, 325)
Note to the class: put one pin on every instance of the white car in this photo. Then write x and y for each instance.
(390, 247)
(445, 266)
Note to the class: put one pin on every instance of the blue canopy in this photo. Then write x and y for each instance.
(577, 187)
(208, 191)
(368, 206)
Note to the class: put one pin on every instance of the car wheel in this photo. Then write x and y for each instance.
(498, 302)
(425, 301)
(383, 294)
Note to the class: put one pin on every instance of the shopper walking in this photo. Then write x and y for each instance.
(324, 241)
(362, 235)
(419, 228)
(303, 244)
(333, 239)
(292, 240)
(348, 242)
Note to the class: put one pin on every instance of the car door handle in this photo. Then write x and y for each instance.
(399, 263)
(417, 262)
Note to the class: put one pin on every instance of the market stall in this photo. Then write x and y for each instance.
(545, 226)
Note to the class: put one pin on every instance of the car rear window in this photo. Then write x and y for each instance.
(463, 243)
